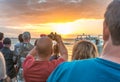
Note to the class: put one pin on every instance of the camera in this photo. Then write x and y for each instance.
(52, 36)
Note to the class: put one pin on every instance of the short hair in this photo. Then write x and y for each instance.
(26, 36)
(112, 19)
(44, 46)
(7, 41)
(83, 50)
(1, 35)
(20, 38)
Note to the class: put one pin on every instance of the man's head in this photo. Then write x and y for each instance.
(7, 42)
(44, 47)
(112, 23)
(1, 36)
(26, 36)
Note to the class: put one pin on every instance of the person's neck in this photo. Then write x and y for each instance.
(111, 52)
(44, 58)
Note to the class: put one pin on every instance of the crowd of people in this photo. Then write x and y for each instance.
(47, 59)
(33, 63)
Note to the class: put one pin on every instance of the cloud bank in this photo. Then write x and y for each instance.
(21, 12)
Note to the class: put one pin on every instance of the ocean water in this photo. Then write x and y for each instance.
(68, 43)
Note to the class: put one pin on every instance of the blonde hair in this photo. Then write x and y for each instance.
(83, 50)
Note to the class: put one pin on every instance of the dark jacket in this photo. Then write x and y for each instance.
(8, 54)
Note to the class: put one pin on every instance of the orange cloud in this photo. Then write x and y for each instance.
(21, 12)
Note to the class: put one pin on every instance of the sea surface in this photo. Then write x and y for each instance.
(68, 43)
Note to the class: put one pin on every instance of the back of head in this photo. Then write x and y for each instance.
(83, 50)
(20, 38)
(1, 35)
(112, 19)
(7, 41)
(44, 47)
(26, 36)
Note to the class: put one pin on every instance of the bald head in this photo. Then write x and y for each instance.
(44, 46)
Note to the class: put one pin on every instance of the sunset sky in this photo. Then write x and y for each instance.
(66, 17)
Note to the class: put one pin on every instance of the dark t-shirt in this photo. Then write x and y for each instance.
(8, 55)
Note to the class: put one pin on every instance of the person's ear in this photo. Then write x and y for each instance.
(106, 32)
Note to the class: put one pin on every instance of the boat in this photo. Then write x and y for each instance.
(98, 40)
(90, 38)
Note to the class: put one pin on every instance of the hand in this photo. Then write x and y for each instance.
(58, 38)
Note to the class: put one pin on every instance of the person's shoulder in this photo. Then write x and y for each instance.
(69, 67)
(17, 44)
(77, 63)
(90, 60)
(29, 56)
(30, 44)
(4, 49)
(57, 61)
(28, 61)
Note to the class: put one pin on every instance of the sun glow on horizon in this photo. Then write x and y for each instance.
(63, 29)
(67, 29)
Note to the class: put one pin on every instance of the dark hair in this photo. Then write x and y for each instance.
(20, 38)
(7, 41)
(112, 19)
(1, 35)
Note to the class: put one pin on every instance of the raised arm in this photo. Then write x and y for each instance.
(62, 48)
(33, 52)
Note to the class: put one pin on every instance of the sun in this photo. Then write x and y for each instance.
(63, 29)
